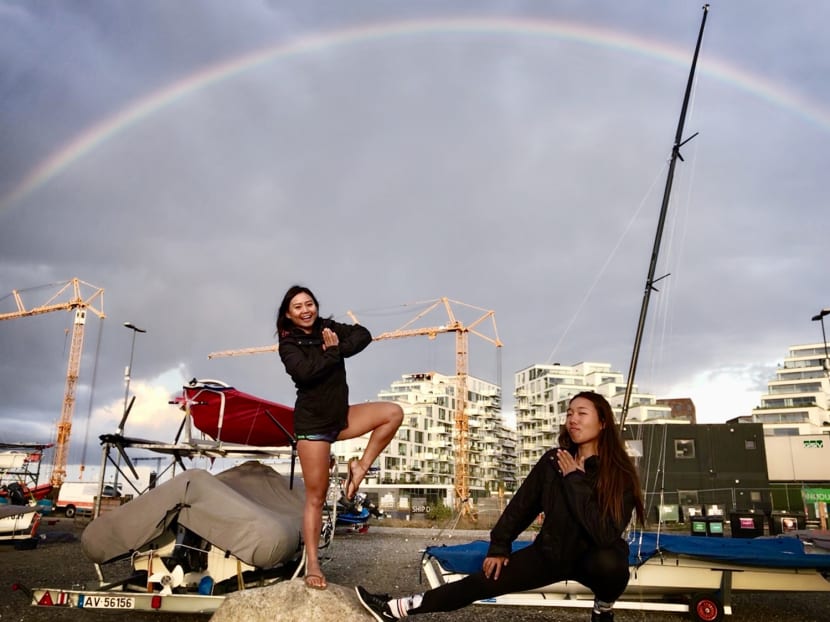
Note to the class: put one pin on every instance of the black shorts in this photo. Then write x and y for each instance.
(328, 436)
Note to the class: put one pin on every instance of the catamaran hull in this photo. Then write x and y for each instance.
(666, 581)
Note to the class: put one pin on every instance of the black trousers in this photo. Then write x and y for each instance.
(603, 571)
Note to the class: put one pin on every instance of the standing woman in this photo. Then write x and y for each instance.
(587, 489)
(313, 351)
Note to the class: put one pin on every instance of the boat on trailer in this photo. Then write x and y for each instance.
(198, 536)
(670, 572)
(20, 473)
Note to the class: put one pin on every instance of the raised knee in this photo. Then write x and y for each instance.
(396, 415)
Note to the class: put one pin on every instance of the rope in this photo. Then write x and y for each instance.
(607, 262)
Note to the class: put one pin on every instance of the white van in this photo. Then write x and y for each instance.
(80, 496)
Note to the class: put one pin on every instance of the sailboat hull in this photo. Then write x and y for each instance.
(667, 573)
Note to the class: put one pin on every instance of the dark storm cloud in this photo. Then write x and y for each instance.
(515, 172)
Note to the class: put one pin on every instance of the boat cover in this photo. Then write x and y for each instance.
(247, 511)
(774, 552)
(231, 416)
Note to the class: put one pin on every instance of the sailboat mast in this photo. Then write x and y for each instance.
(650, 280)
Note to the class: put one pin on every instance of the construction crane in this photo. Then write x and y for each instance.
(79, 304)
(243, 351)
(462, 331)
(461, 421)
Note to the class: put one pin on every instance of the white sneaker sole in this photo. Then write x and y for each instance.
(367, 607)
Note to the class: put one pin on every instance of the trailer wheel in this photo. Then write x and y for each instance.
(706, 608)
(70, 511)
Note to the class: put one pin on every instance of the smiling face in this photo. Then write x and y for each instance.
(584, 425)
(302, 310)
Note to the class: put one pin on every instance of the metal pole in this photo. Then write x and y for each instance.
(820, 318)
(128, 371)
(127, 375)
(650, 280)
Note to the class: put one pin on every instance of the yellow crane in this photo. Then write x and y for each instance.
(68, 297)
(462, 331)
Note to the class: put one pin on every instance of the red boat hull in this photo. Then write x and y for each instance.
(41, 491)
(231, 416)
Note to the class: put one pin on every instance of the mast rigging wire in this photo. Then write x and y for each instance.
(607, 263)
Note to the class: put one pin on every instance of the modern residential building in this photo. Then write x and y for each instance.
(420, 460)
(795, 413)
(797, 401)
(541, 401)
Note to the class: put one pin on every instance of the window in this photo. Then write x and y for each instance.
(749, 444)
(684, 448)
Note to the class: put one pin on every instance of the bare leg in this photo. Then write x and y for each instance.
(382, 419)
(314, 460)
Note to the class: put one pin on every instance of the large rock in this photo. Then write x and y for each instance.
(292, 601)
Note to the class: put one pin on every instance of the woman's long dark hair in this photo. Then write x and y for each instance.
(284, 325)
(616, 469)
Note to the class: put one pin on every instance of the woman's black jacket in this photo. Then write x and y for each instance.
(320, 375)
(572, 521)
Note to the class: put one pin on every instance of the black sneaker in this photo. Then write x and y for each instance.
(376, 604)
(605, 616)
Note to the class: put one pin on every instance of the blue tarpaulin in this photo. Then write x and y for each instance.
(773, 552)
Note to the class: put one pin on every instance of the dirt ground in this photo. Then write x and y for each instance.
(385, 559)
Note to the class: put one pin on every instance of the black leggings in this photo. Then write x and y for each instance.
(603, 571)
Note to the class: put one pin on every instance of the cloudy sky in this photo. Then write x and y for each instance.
(194, 160)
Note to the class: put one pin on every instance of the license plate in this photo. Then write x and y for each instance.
(106, 602)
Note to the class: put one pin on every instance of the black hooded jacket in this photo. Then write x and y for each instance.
(320, 375)
(572, 521)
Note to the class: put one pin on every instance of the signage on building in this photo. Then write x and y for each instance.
(814, 444)
(419, 505)
(816, 495)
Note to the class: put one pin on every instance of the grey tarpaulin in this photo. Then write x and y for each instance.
(248, 511)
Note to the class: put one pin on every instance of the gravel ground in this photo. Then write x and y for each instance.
(386, 559)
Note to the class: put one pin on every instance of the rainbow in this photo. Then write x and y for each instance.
(135, 112)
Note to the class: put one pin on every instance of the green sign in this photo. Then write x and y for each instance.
(814, 443)
(816, 495)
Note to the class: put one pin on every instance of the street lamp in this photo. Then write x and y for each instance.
(820, 318)
(127, 375)
(129, 369)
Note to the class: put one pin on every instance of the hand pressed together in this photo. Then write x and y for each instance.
(567, 463)
(330, 338)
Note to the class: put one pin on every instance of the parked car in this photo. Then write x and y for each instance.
(80, 496)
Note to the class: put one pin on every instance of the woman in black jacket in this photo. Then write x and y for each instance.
(313, 351)
(586, 489)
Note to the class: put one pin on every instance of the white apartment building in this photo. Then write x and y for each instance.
(541, 402)
(797, 401)
(421, 457)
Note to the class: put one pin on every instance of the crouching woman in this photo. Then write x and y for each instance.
(587, 490)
